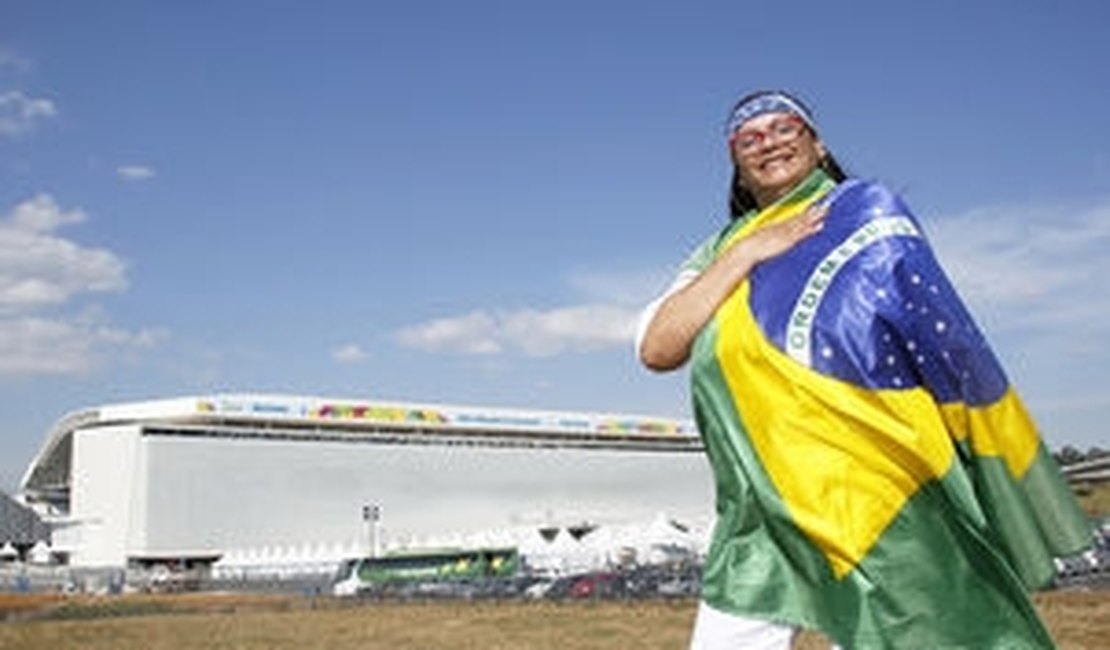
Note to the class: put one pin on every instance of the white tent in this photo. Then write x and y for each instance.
(8, 552)
(40, 553)
(605, 544)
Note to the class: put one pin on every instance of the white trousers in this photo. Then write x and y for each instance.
(717, 630)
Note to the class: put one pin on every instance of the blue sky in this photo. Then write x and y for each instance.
(468, 202)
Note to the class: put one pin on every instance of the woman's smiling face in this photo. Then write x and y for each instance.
(774, 152)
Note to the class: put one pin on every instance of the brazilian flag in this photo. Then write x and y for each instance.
(878, 478)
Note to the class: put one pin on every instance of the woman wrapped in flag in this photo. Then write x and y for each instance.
(877, 477)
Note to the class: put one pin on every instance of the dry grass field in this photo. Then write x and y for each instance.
(1079, 621)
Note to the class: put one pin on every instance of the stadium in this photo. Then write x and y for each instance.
(271, 479)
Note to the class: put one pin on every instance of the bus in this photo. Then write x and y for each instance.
(364, 574)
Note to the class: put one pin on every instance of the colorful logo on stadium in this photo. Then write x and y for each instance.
(640, 426)
(378, 414)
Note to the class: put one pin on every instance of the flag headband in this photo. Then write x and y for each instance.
(766, 103)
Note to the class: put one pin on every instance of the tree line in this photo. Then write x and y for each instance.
(1068, 455)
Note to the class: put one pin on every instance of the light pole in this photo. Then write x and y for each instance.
(371, 516)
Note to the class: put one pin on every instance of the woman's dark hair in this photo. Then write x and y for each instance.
(740, 199)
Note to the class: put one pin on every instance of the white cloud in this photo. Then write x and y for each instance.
(38, 268)
(1032, 268)
(579, 328)
(349, 354)
(604, 317)
(535, 333)
(135, 172)
(48, 346)
(42, 214)
(473, 333)
(19, 113)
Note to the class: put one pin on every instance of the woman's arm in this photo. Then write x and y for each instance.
(670, 334)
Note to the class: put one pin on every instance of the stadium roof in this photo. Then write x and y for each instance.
(293, 417)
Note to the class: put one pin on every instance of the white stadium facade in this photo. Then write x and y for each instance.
(218, 476)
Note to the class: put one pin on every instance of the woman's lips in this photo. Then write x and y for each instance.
(776, 162)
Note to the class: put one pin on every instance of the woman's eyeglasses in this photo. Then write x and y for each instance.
(783, 129)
